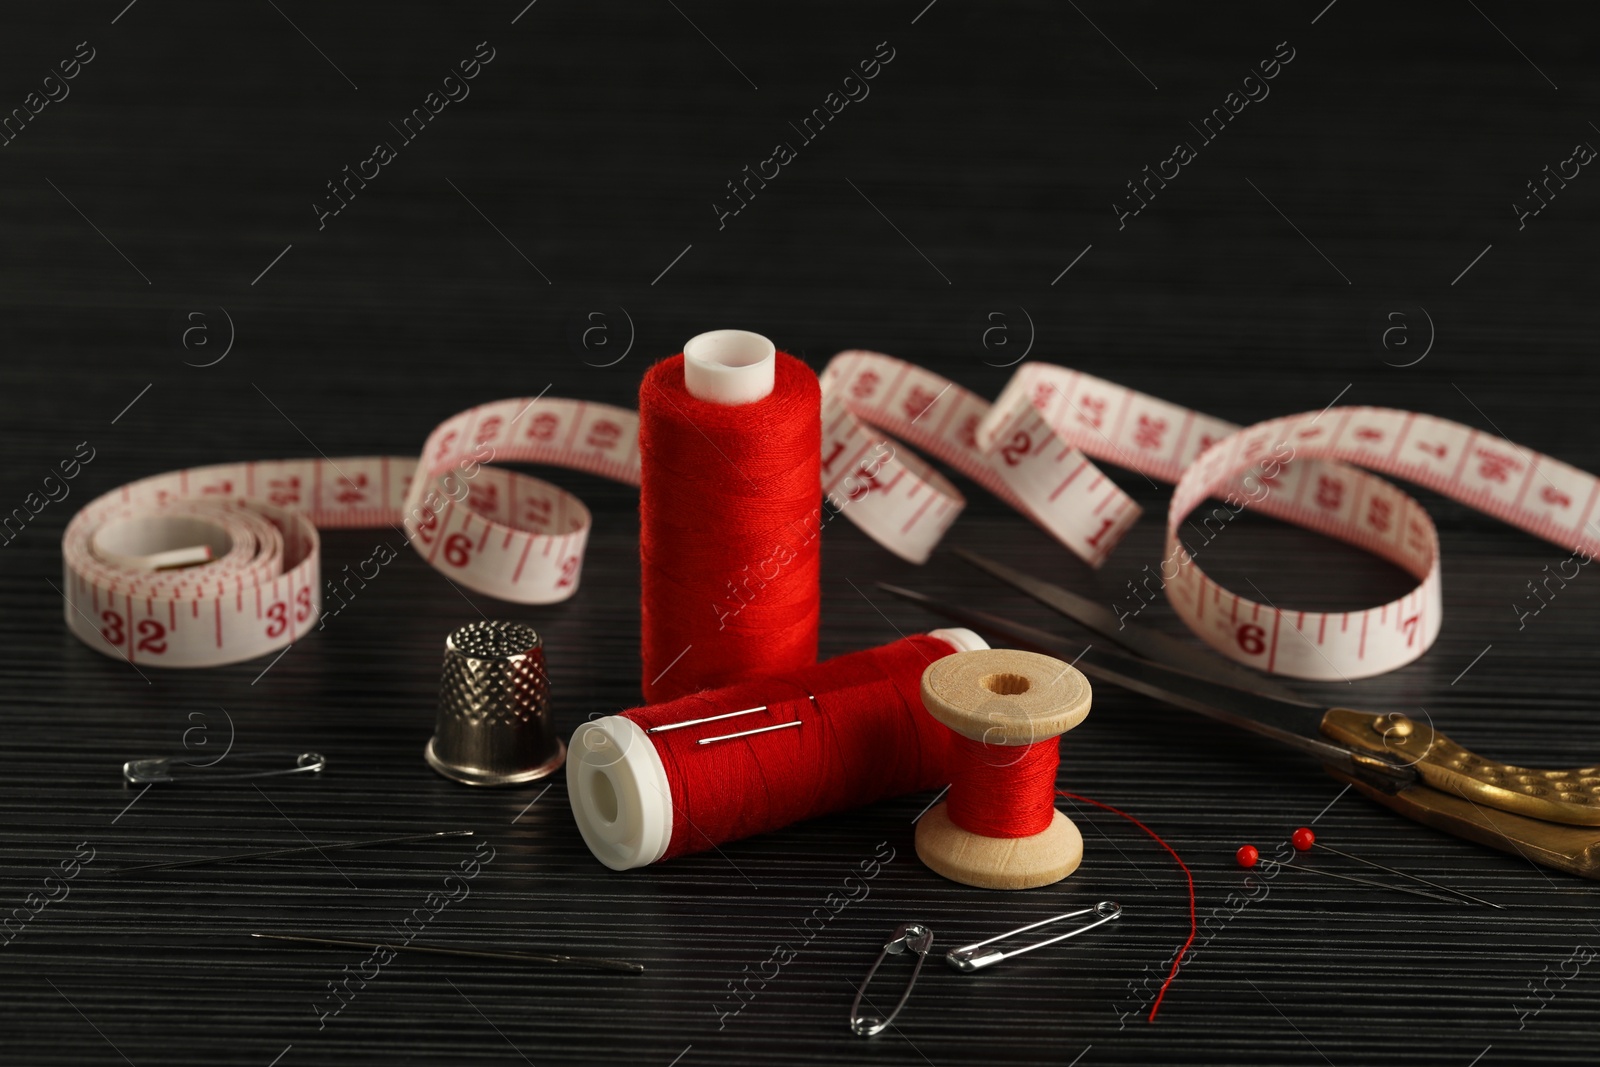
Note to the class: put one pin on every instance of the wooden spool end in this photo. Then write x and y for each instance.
(1003, 697)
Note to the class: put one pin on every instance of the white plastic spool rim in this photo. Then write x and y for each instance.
(729, 367)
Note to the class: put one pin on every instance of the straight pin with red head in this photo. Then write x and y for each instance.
(1303, 839)
(1248, 856)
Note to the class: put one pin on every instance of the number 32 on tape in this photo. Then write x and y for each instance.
(132, 590)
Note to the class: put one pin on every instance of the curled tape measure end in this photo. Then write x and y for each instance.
(137, 589)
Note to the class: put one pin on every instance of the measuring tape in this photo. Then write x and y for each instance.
(130, 594)
(1007, 447)
(1543, 496)
(1032, 447)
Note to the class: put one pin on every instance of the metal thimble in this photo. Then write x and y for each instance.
(494, 723)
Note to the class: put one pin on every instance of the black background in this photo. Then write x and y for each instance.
(996, 141)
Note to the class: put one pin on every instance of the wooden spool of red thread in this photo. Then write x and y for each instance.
(999, 827)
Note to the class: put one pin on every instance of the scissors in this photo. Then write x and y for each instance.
(1550, 817)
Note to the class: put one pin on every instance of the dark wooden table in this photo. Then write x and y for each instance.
(178, 175)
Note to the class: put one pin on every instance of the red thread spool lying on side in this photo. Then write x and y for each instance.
(825, 738)
(1000, 829)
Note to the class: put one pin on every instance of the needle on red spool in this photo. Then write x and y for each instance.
(1304, 838)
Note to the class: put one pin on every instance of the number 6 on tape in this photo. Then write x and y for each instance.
(1030, 448)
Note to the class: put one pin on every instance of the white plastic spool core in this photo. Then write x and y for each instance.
(618, 787)
(729, 367)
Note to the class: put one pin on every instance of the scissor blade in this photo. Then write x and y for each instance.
(1212, 699)
(1142, 641)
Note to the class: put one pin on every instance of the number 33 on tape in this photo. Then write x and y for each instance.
(133, 590)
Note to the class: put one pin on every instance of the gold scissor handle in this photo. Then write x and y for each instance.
(1567, 797)
(1574, 849)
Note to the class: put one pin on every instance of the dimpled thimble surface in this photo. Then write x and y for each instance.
(494, 724)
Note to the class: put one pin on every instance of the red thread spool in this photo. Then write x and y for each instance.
(1000, 829)
(730, 497)
(639, 797)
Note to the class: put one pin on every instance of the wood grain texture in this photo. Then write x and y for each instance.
(579, 177)
(1040, 859)
(1003, 696)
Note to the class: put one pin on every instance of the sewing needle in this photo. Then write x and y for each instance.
(597, 962)
(336, 847)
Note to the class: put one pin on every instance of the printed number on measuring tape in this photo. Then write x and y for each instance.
(221, 564)
(1007, 447)
(1031, 447)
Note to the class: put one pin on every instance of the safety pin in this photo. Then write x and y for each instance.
(968, 958)
(907, 937)
(176, 769)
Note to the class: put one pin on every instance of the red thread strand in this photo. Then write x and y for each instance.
(729, 514)
(1173, 973)
(1003, 790)
(865, 738)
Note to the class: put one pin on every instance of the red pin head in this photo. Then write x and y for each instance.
(1303, 839)
(1247, 856)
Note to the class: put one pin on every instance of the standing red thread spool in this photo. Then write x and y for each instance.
(684, 776)
(730, 497)
(1000, 829)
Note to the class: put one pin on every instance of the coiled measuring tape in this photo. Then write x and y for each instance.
(1032, 447)
(132, 594)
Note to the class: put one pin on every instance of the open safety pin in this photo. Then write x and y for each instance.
(907, 937)
(969, 958)
(176, 769)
